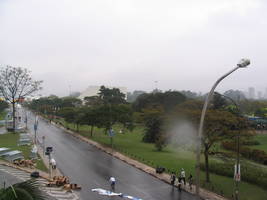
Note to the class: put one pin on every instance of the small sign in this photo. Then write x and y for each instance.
(49, 149)
(111, 132)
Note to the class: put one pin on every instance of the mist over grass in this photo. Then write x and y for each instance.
(182, 134)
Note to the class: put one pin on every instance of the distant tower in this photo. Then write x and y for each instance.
(251, 93)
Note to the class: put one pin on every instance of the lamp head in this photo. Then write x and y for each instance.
(243, 63)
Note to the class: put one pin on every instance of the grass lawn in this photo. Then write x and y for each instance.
(262, 139)
(9, 140)
(129, 143)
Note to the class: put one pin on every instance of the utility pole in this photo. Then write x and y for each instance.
(43, 145)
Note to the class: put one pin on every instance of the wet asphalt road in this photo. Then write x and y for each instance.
(7, 179)
(91, 168)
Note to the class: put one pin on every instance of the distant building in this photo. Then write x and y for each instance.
(251, 93)
(94, 90)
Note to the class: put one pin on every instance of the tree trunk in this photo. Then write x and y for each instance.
(92, 128)
(14, 115)
(206, 154)
(77, 127)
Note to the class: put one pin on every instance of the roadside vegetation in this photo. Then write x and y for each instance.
(159, 129)
(10, 140)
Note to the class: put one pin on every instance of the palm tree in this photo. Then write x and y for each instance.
(28, 190)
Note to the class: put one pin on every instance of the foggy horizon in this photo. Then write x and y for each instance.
(140, 45)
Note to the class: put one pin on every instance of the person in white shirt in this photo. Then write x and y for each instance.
(182, 175)
(53, 163)
(112, 181)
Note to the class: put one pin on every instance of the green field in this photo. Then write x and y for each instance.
(9, 140)
(262, 139)
(172, 158)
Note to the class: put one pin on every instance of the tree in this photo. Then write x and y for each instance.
(236, 95)
(154, 132)
(92, 101)
(3, 105)
(218, 102)
(189, 94)
(218, 125)
(131, 97)
(168, 100)
(28, 190)
(15, 84)
(92, 118)
(111, 96)
(108, 115)
(70, 102)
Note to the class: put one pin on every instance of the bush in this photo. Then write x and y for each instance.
(252, 154)
(249, 173)
(251, 143)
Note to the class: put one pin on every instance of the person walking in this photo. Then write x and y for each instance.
(182, 175)
(112, 181)
(173, 178)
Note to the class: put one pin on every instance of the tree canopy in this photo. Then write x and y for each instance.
(16, 83)
(111, 96)
(168, 100)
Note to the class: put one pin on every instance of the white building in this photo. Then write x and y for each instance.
(94, 90)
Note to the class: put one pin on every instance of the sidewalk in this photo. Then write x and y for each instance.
(205, 194)
(25, 169)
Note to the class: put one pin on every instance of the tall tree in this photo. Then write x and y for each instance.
(111, 96)
(15, 84)
(154, 127)
(218, 125)
(168, 100)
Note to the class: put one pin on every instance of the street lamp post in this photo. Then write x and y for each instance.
(242, 64)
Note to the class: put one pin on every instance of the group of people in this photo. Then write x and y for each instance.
(181, 178)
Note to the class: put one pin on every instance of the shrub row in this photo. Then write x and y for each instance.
(249, 173)
(252, 154)
(251, 143)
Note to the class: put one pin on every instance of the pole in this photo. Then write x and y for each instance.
(200, 130)
(50, 165)
(35, 129)
(43, 145)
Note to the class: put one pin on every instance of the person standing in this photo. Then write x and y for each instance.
(179, 183)
(190, 181)
(112, 181)
(182, 175)
(173, 178)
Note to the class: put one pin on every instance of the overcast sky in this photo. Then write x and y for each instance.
(181, 44)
